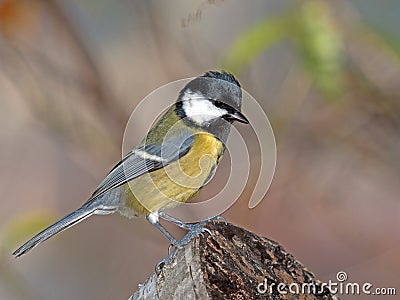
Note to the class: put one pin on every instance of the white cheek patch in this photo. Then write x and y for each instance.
(200, 110)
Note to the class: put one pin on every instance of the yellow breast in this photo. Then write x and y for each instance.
(178, 182)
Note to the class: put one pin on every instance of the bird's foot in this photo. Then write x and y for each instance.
(194, 230)
(166, 260)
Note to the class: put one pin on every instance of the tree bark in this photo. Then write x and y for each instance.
(232, 263)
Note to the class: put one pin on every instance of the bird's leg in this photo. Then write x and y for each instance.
(194, 230)
(175, 221)
(153, 219)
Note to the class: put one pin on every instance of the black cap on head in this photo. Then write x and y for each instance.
(223, 76)
(221, 86)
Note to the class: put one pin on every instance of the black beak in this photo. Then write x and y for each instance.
(237, 116)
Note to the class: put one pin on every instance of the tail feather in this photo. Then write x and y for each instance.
(66, 222)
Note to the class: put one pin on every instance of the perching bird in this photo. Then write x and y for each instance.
(177, 157)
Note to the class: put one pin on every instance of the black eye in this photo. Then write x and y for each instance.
(219, 104)
(223, 105)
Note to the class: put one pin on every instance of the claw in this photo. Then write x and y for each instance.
(216, 218)
(166, 260)
(169, 248)
(193, 231)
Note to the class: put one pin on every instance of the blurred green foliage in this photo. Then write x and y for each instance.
(320, 46)
(312, 30)
(318, 39)
(256, 40)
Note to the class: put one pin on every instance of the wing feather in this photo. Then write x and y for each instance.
(142, 160)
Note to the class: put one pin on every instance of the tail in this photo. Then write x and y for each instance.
(66, 222)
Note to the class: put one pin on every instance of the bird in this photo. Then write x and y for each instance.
(178, 156)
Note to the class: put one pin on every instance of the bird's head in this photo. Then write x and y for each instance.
(210, 98)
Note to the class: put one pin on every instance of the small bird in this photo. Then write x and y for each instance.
(175, 160)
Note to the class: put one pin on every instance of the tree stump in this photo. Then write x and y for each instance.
(232, 263)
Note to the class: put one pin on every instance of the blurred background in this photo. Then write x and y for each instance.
(327, 73)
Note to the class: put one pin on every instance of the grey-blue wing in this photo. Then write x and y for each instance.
(144, 159)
